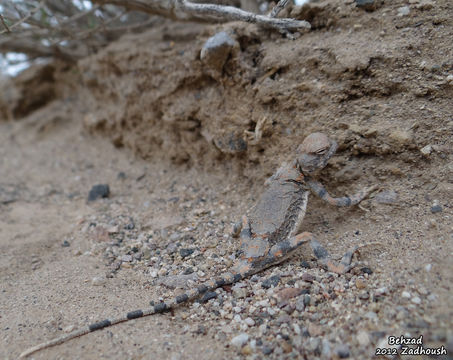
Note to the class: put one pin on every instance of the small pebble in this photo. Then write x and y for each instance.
(69, 329)
(314, 344)
(288, 293)
(314, 330)
(371, 315)
(403, 11)
(307, 277)
(360, 284)
(283, 319)
(286, 346)
(363, 338)
(249, 321)
(126, 258)
(406, 294)
(364, 295)
(270, 282)
(186, 252)
(99, 191)
(342, 351)
(247, 350)
(436, 209)
(416, 300)
(386, 197)
(65, 243)
(239, 293)
(368, 5)
(300, 305)
(216, 50)
(98, 281)
(240, 340)
(426, 150)
(366, 270)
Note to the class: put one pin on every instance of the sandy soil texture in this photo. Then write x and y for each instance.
(185, 149)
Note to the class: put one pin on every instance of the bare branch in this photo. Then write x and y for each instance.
(35, 49)
(279, 7)
(188, 11)
(61, 29)
(25, 18)
(5, 24)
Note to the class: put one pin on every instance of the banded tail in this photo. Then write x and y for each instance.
(225, 279)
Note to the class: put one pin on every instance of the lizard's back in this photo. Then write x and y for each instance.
(280, 209)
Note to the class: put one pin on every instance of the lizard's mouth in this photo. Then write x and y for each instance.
(308, 163)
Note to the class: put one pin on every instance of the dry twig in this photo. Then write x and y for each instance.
(5, 24)
(188, 11)
(279, 7)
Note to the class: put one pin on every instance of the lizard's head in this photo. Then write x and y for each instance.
(314, 153)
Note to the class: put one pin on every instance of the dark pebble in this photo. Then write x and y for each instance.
(305, 264)
(201, 330)
(208, 296)
(65, 243)
(436, 209)
(366, 270)
(186, 252)
(121, 175)
(272, 281)
(308, 277)
(368, 5)
(342, 351)
(129, 226)
(99, 191)
(267, 350)
(377, 335)
(188, 271)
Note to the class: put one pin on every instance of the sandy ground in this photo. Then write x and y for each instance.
(66, 262)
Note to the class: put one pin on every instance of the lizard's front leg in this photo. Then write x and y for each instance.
(319, 190)
(240, 226)
(326, 261)
(283, 249)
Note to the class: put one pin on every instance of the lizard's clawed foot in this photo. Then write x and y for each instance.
(341, 267)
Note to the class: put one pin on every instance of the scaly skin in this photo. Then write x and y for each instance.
(268, 235)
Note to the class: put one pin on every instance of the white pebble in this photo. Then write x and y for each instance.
(363, 338)
(240, 340)
(250, 322)
(404, 10)
(98, 280)
(153, 273)
(237, 309)
(428, 267)
(406, 294)
(416, 300)
(69, 329)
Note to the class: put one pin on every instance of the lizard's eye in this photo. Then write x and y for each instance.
(320, 151)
